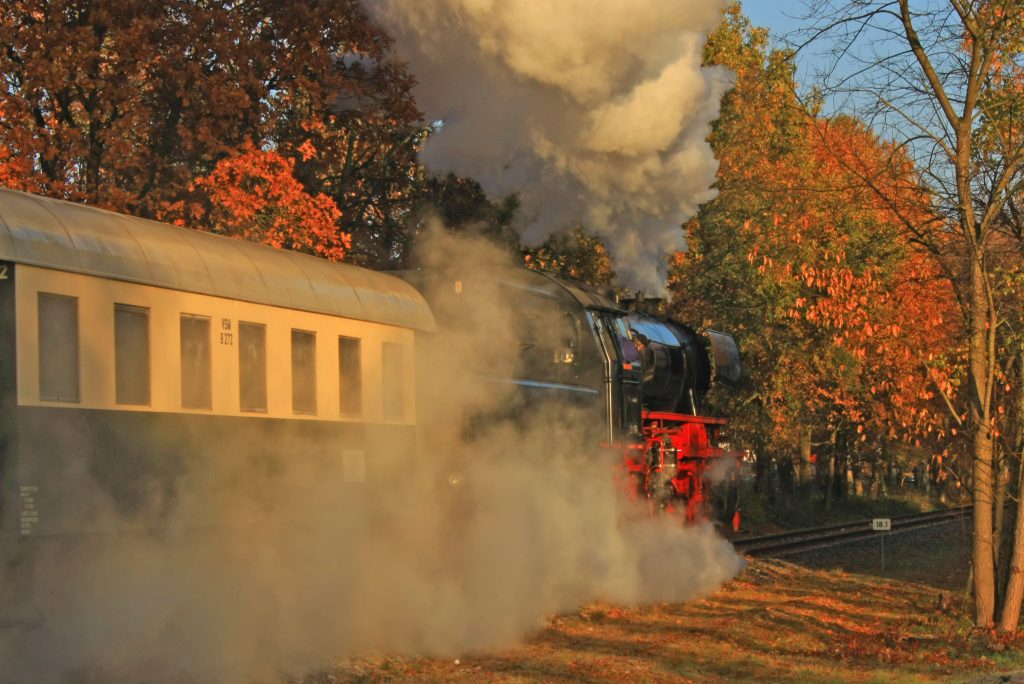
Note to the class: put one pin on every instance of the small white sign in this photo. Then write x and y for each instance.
(881, 524)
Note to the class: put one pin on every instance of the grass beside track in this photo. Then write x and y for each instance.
(780, 621)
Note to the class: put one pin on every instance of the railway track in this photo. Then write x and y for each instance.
(785, 543)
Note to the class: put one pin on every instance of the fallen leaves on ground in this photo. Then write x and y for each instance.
(777, 621)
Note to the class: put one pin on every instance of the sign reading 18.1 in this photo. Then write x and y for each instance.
(882, 525)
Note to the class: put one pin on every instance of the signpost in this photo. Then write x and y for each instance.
(882, 525)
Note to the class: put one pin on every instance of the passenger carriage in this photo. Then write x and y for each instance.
(131, 351)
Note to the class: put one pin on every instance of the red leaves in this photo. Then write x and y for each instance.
(307, 150)
(254, 195)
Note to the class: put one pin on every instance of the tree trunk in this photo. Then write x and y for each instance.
(1015, 585)
(806, 467)
(998, 516)
(762, 467)
(839, 471)
(979, 386)
(984, 569)
(830, 476)
(1014, 594)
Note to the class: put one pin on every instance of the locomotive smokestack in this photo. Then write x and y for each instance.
(596, 111)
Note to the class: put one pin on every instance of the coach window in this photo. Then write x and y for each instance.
(58, 347)
(252, 366)
(303, 372)
(350, 378)
(195, 362)
(394, 389)
(131, 354)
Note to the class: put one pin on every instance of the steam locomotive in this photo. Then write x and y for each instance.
(131, 350)
(639, 380)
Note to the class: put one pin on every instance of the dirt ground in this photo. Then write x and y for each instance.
(842, 619)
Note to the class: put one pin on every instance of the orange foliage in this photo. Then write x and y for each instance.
(254, 195)
(15, 168)
(845, 326)
(895, 319)
(15, 172)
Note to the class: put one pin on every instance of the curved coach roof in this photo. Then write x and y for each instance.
(70, 237)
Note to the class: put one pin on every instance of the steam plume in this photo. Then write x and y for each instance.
(593, 110)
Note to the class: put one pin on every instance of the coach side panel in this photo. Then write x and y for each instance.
(134, 403)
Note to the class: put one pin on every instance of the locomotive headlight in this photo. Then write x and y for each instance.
(455, 479)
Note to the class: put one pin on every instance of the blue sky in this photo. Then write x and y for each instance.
(782, 17)
(776, 15)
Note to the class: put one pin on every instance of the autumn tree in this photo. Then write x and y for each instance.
(950, 98)
(125, 104)
(807, 269)
(714, 282)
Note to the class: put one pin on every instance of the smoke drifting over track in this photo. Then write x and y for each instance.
(248, 563)
(590, 110)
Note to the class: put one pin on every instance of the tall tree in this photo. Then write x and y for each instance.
(942, 81)
(715, 281)
(810, 270)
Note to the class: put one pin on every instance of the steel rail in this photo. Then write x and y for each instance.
(809, 538)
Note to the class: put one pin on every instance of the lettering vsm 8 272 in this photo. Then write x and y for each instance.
(226, 335)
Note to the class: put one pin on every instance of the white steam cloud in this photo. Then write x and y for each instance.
(592, 110)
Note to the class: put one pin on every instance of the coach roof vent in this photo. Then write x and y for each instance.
(70, 237)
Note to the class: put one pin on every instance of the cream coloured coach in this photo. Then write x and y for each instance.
(131, 350)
